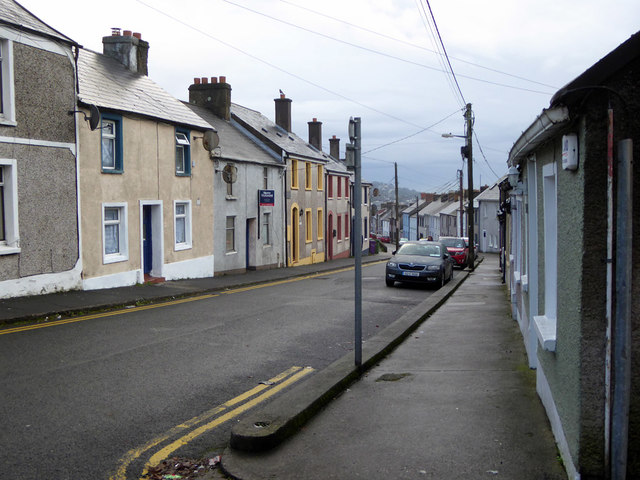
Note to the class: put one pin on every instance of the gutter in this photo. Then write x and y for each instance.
(541, 130)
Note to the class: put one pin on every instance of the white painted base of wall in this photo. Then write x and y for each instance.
(42, 284)
(545, 394)
(123, 279)
(196, 268)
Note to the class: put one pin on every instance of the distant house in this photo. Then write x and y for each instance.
(39, 248)
(488, 226)
(338, 198)
(431, 215)
(248, 187)
(573, 263)
(304, 185)
(448, 217)
(145, 176)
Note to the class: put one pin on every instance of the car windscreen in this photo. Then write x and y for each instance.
(453, 242)
(421, 250)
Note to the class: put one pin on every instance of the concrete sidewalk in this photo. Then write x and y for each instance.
(455, 400)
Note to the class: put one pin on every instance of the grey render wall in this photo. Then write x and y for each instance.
(47, 199)
(245, 206)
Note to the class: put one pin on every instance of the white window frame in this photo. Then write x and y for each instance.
(546, 325)
(186, 216)
(11, 243)
(231, 229)
(8, 113)
(123, 234)
(266, 228)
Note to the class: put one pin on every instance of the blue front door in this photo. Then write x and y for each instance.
(147, 240)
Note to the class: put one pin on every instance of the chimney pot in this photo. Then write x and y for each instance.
(115, 32)
(223, 79)
(205, 80)
(196, 81)
(138, 35)
(214, 79)
(126, 33)
(282, 95)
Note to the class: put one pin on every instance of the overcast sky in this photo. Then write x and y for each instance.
(373, 59)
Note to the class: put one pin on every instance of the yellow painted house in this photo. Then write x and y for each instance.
(146, 200)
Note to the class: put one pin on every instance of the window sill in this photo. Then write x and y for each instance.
(182, 246)
(113, 171)
(114, 259)
(525, 283)
(232, 252)
(178, 174)
(8, 123)
(231, 197)
(5, 250)
(546, 332)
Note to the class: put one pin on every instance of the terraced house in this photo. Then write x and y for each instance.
(146, 178)
(39, 249)
(304, 180)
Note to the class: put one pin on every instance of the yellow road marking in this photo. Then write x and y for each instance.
(83, 318)
(172, 447)
(103, 314)
(131, 455)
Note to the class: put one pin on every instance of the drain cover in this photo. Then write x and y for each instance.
(392, 377)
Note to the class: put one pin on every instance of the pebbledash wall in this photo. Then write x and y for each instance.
(40, 253)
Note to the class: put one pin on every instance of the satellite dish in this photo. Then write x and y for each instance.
(94, 118)
(229, 173)
(210, 140)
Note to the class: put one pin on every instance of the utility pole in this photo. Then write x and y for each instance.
(395, 165)
(469, 154)
(418, 217)
(461, 205)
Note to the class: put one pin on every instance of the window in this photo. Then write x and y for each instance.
(339, 187)
(365, 228)
(307, 176)
(114, 232)
(308, 225)
(231, 234)
(346, 187)
(339, 224)
(320, 177)
(365, 191)
(294, 174)
(346, 225)
(7, 109)
(320, 224)
(9, 239)
(182, 222)
(266, 225)
(330, 181)
(265, 178)
(111, 132)
(183, 153)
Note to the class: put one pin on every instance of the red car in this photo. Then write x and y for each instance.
(458, 248)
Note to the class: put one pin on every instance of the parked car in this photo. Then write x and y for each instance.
(403, 240)
(384, 238)
(420, 262)
(458, 248)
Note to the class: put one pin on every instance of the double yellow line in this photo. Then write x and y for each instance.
(193, 428)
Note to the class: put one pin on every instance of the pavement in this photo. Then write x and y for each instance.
(444, 392)
(454, 399)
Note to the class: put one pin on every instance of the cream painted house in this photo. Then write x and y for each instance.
(146, 200)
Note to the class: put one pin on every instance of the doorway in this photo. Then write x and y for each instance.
(295, 234)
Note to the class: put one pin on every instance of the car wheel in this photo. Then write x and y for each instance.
(389, 282)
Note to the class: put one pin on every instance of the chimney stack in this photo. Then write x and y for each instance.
(129, 49)
(334, 147)
(283, 112)
(216, 95)
(315, 133)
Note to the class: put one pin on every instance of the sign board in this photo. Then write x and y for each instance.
(266, 198)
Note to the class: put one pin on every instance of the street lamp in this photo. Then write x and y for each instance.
(467, 151)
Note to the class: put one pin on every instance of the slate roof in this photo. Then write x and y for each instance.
(235, 144)
(289, 142)
(106, 83)
(490, 194)
(15, 14)
(437, 206)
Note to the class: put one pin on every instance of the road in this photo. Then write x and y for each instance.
(98, 398)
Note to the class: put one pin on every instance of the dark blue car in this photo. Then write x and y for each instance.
(420, 262)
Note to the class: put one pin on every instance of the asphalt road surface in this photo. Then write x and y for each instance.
(100, 397)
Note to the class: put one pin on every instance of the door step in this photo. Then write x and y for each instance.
(153, 280)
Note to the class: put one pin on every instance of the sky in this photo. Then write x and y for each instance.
(380, 60)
